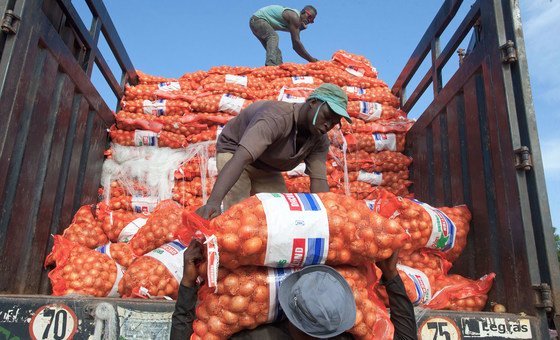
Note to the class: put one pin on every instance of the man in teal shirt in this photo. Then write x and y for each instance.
(266, 21)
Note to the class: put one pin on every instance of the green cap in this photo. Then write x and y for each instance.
(335, 97)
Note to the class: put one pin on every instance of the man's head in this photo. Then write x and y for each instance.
(327, 105)
(307, 16)
(318, 301)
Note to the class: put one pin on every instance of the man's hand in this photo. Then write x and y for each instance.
(389, 266)
(209, 211)
(191, 256)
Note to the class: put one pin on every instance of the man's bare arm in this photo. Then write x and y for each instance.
(293, 26)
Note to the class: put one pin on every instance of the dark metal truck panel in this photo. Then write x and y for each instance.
(53, 131)
(477, 143)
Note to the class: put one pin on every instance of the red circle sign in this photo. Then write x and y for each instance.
(56, 321)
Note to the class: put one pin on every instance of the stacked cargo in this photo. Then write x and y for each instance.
(162, 161)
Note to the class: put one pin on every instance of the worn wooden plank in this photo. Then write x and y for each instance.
(25, 195)
(459, 175)
(436, 190)
(477, 187)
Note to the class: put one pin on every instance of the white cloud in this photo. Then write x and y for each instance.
(541, 28)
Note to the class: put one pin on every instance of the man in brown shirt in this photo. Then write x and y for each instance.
(269, 137)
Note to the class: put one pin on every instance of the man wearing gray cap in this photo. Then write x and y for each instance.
(317, 301)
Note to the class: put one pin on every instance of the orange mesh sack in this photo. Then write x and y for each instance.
(156, 274)
(376, 142)
(85, 229)
(208, 102)
(160, 228)
(435, 228)
(247, 298)
(121, 225)
(370, 111)
(455, 292)
(354, 64)
(299, 229)
(120, 252)
(82, 271)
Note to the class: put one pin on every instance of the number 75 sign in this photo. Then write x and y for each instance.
(439, 328)
(56, 321)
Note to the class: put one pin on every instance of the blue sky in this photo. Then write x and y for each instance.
(170, 38)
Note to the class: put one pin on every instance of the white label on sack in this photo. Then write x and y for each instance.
(421, 284)
(443, 229)
(145, 138)
(355, 90)
(115, 289)
(131, 229)
(156, 107)
(212, 261)
(275, 278)
(169, 86)
(302, 80)
(289, 98)
(358, 72)
(239, 80)
(171, 255)
(373, 178)
(298, 171)
(212, 167)
(230, 103)
(144, 205)
(298, 229)
(370, 111)
(385, 141)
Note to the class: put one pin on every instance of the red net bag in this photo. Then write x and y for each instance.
(194, 77)
(158, 107)
(120, 252)
(193, 187)
(222, 70)
(82, 271)
(455, 292)
(137, 121)
(424, 274)
(384, 161)
(294, 94)
(147, 138)
(369, 111)
(156, 274)
(376, 142)
(144, 78)
(85, 229)
(396, 125)
(153, 91)
(381, 95)
(232, 88)
(296, 81)
(246, 299)
(354, 64)
(293, 230)
(270, 73)
(159, 229)
(119, 224)
(433, 228)
(219, 103)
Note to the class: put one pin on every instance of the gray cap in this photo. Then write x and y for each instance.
(318, 301)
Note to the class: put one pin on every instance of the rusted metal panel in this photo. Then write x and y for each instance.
(482, 115)
(53, 141)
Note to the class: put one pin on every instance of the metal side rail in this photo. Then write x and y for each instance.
(50, 317)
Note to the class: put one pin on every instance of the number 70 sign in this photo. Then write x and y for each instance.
(56, 321)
